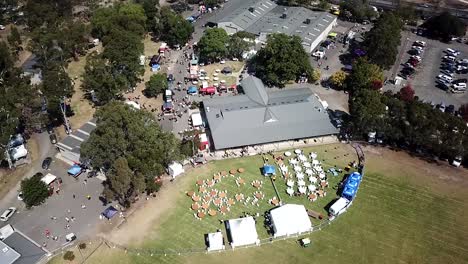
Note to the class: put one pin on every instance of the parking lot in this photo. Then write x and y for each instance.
(424, 79)
(51, 217)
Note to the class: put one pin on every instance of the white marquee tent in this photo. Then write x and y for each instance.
(242, 231)
(175, 169)
(215, 241)
(290, 219)
(197, 120)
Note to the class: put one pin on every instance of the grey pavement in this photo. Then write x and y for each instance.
(423, 82)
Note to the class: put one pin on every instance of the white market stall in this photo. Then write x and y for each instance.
(215, 241)
(242, 231)
(196, 120)
(290, 219)
(48, 179)
(175, 169)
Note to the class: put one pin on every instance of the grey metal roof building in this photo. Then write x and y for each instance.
(260, 116)
(70, 146)
(263, 17)
(29, 252)
(7, 254)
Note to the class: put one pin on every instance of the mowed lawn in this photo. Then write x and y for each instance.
(396, 217)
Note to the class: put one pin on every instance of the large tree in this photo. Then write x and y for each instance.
(156, 85)
(100, 79)
(237, 46)
(364, 76)
(57, 87)
(282, 59)
(445, 26)
(35, 191)
(382, 41)
(213, 45)
(358, 10)
(131, 134)
(175, 30)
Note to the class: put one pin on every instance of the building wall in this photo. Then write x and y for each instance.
(229, 27)
(322, 36)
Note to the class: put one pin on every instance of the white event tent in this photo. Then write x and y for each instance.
(197, 120)
(290, 219)
(215, 241)
(242, 231)
(175, 169)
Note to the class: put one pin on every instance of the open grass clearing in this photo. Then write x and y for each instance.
(230, 79)
(402, 214)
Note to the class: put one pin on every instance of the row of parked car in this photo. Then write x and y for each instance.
(451, 66)
(416, 52)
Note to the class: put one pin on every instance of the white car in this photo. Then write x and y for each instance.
(7, 214)
(449, 58)
(420, 43)
(445, 77)
(452, 52)
(2, 27)
(459, 86)
(418, 58)
(418, 48)
(448, 73)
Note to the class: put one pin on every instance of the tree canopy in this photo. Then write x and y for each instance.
(282, 59)
(364, 76)
(382, 41)
(123, 132)
(156, 85)
(445, 26)
(358, 9)
(338, 79)
(35, 191)
(175, 29)
(213, 45)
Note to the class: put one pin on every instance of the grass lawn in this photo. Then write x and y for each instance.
(230, 79)
(397, 217)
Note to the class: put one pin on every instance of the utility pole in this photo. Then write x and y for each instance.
(64, 112)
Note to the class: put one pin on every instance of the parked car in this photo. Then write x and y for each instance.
(7, 214)
(419, 43)
(460, 81)
(53, 138)
(445, 77)
(416, 57)
(447, 72)
(20, 196)
(452, 52)
(418, 48)
(2, 27)
(449, 58)
(459, 86)
(46, 163)
(450, 109)
(462, 71)
(441, 107)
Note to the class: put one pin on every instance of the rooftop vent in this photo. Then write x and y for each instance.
(251, 9)
(283, 15)
(307, 21)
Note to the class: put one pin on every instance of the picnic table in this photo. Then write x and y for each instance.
(201, 189)
(241, 181)
(196, 198)
(200, 182)
(210, 183)
(195, 206)
(239, 197)
(201, 214)
(241, 170)
(257, 184)
(205, 206)
(312, 197)
(217, 177)
(321, 193)
(231, 201)
(324, 184)
(223, 173)
(223, 209)
(232, 171)
(274, 201)
(212, 212)
(190, 193)
(213, 193)
(222, 194)
(217, 201)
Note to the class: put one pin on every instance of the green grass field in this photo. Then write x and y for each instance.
(396, 218)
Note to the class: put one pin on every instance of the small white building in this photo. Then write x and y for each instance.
(175, 169)
(242, 231)
(290, 219)
(215, 241)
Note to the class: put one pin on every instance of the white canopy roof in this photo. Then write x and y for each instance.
(203, 138)
(215, 241)
(196, 119)
(48, 179)
(243, 231)
(290, 219)
(175, 169)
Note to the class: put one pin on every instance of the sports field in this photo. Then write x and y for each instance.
(406, 211)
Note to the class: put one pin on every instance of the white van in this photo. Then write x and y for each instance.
(339, 207)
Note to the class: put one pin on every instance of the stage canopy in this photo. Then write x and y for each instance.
(290, 219)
